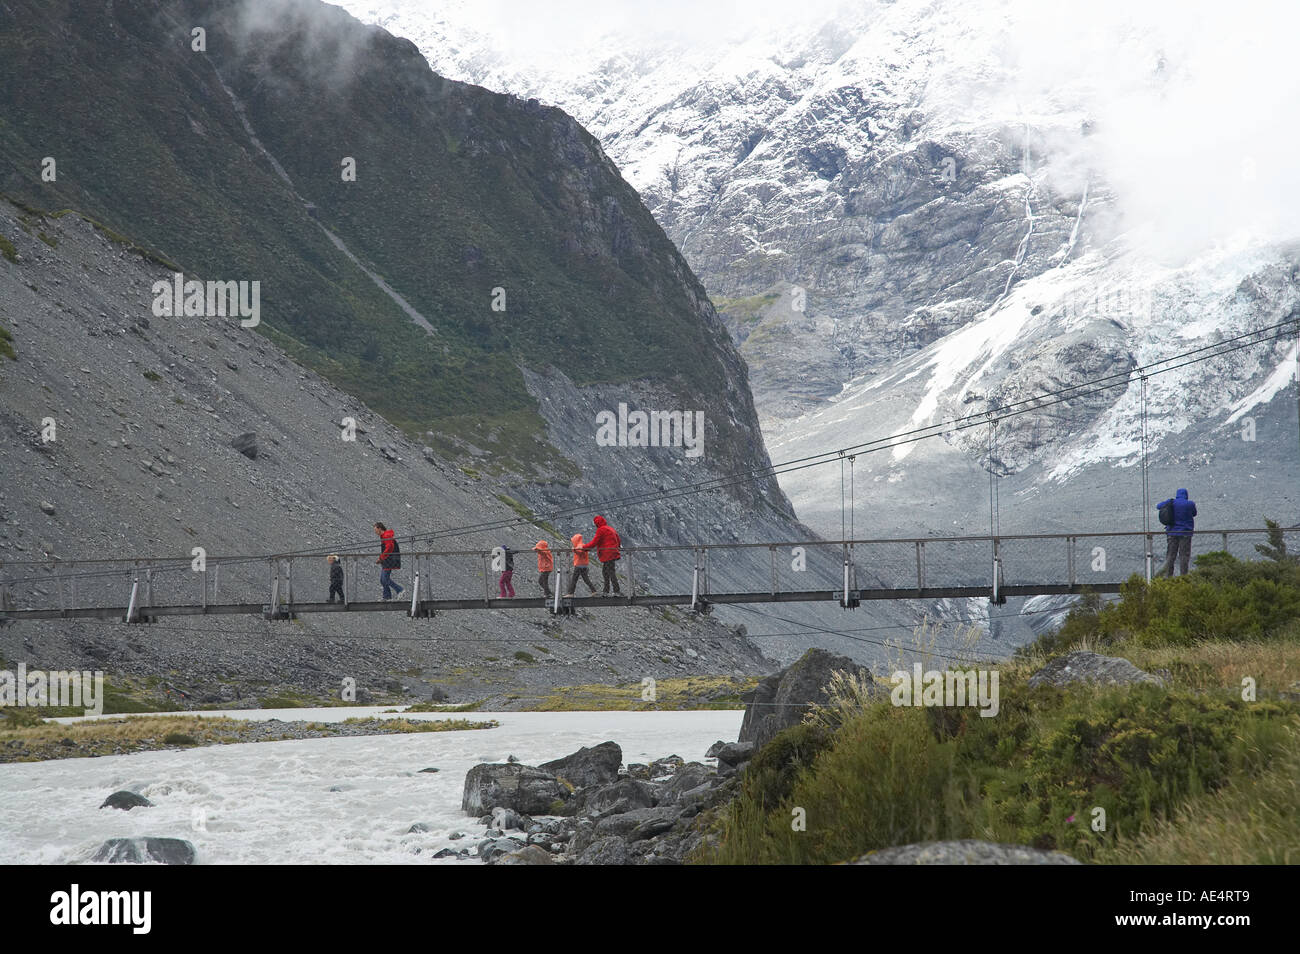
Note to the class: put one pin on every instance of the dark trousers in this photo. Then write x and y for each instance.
(544, 581)
(580, 573)
(608, 571)
(336, 588)
(389, 584)
(1177, 548)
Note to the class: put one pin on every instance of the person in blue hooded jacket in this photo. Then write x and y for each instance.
(1178, 536)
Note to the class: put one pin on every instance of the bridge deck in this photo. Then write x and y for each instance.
(425, 607)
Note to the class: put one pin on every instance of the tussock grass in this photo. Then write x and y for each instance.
(1250, 821)
(689, 692)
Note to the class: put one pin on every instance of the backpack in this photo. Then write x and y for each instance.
(510, 559)
(394, 560)
(1166, 513)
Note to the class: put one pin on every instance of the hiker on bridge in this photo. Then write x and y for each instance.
(581, 560)
(1178, 514)
(504, 584)
(545, 564)
(606, 543)
(336, 577)
(390, 558)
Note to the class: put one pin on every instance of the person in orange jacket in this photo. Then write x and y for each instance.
(545, 564)
(606, 543)
(581, 558)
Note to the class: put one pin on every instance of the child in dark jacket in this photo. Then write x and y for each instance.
(336, 577)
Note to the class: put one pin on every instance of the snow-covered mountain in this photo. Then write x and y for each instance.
(917, 209)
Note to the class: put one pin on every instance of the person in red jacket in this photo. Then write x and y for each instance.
(606, 543)
(389, 560)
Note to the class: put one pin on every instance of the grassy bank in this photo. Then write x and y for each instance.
(40, 741)
(1201, 770)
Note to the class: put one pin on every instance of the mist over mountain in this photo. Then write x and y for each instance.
(910, 211)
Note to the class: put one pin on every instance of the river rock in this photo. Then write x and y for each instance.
(490, 849)
(138, 851)
(126, 801)
(530, 855)
(588, 766)
(624, 795)
(606, 851)
(506, 819)
(1090, 667)
(525, 788)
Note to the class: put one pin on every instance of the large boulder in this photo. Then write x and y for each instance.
(781, 700)
(588, 766)
(126, 801)
(490, 849)
(624, 795)
(139, 851)
(964, 852)
(524, 788)
(691, 776)
(606, 851)
(638, 824)
(1090, 667)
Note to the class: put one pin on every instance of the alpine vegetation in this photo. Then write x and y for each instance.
(684, 429)
(972, 687)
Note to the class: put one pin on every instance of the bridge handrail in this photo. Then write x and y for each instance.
(179, 562)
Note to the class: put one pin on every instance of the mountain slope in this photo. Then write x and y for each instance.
(229, 162)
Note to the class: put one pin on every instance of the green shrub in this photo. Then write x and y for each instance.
(1222, 598)
(1032, 775)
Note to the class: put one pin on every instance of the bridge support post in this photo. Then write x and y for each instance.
(631, 581)
(148, 586)
(920, 566)
(699, 585)
(1069, 560)
(849, 595)
(135, 590)
(997, 599)
(772, 550)
(203, 586)
(415, 591)
(1149, 558)
(487, 579)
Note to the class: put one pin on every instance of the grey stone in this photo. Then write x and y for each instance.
(126, 801)
(588, 766)
(624, 795)
(781, 700)
(138, 851)
(736, 753)
(606, 851)
(525, 788)
(529, 855)
(1090, 667)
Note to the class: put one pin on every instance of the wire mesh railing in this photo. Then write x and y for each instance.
(697, 574)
